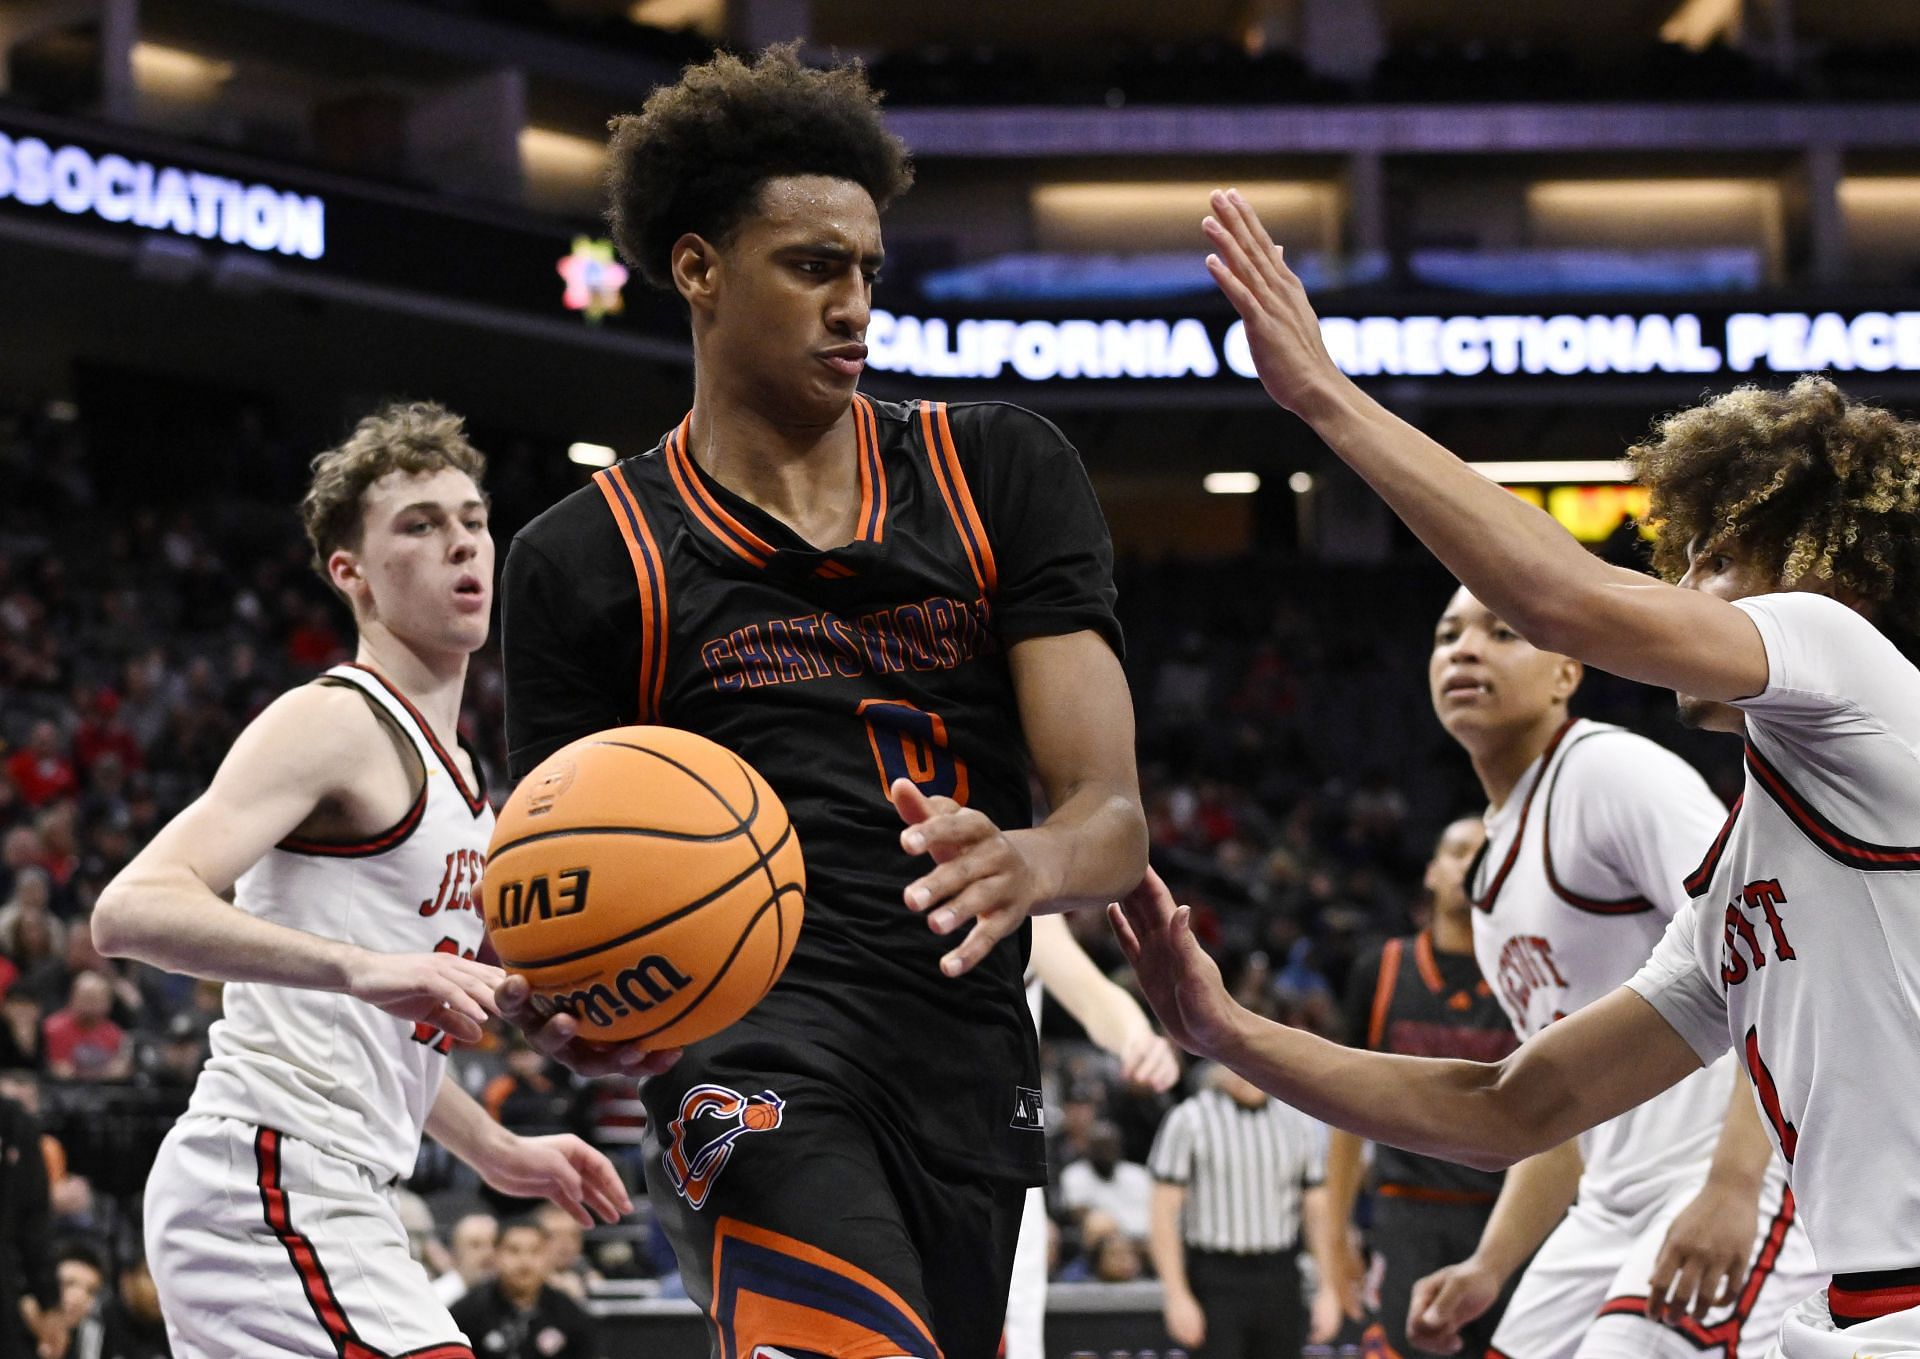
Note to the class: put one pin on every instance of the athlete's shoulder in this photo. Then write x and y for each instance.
(1603, 756)
(997, 431)
(317, 734)
(585, 516)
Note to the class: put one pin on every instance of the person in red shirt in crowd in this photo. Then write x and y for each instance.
(315, 644)
(81, 1042)
(40, 770)
(104, 732)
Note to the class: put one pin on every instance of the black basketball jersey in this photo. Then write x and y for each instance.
(1409, 997)
(656, 595)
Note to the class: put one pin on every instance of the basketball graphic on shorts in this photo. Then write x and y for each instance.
(647, 882)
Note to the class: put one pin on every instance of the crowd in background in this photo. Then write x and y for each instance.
(1291, 771)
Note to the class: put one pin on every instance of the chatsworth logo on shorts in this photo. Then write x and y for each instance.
(115, 188)
(700, 1140)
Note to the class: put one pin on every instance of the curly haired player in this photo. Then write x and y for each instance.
(894, 611)
(1789, 530)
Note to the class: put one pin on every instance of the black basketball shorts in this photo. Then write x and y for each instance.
(801, 1224)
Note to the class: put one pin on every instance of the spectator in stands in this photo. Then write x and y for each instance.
(533, 1098)
(471, 1243)
(568, 1268)
(134, 1328)
(38, 950)
(1119, 1259)
(40, 770)
(30, 1314)
(20, 1016)
(32, 896)
(82, 1043)
(103, 733)
(521, 1315)
(174, 1061)
(1103, 1181)
(19, 850)
(82, 1274)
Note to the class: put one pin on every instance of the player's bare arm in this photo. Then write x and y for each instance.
(1535, 1196)
(560, 1168)
(1112, 1018)
(304, 761)
(1077, 715)
(1514, 557)
(1489, 1115)
(1704, 1260)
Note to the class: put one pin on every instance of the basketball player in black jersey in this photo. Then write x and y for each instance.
(1422, 995)
(893, 611)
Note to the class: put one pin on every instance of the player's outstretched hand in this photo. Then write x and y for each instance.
(1150, 1061)
(1283, 334)
(452, 993)
(562, 1169)
(981, 873)
(1703, 1261)
(1446, 1300)
(558, 1036)
(1181, 983)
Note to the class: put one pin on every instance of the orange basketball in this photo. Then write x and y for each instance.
(647, 882)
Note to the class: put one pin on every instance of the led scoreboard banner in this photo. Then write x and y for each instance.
(1502, 345)
(60, 176)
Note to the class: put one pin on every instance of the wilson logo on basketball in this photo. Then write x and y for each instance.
(700, 1140)
(635, 990)
(539, 898)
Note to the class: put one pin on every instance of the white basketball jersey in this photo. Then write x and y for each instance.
(1801, 949)
(1581, 872)
(321, 1066)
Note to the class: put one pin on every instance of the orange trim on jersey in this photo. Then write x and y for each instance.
(872, 524)
(313, 1275)
(1723, 1336)
(1485, 901)
(388, 839)
(475, 800)
(706, 507)
(650, 577)
(774, 1290)
(1428, 964)
(944, 458)
(1383, 990)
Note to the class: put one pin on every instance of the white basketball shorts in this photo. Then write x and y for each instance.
(1027, 1291)
(1585, 1294)
(264, 1245)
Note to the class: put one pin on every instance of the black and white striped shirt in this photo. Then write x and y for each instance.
(1244, 1169)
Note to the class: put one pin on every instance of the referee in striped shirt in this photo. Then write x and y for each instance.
(1237, 1176)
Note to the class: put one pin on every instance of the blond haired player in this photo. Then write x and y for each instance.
(1683, 1234)
(1791, 522)
(351, 828)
